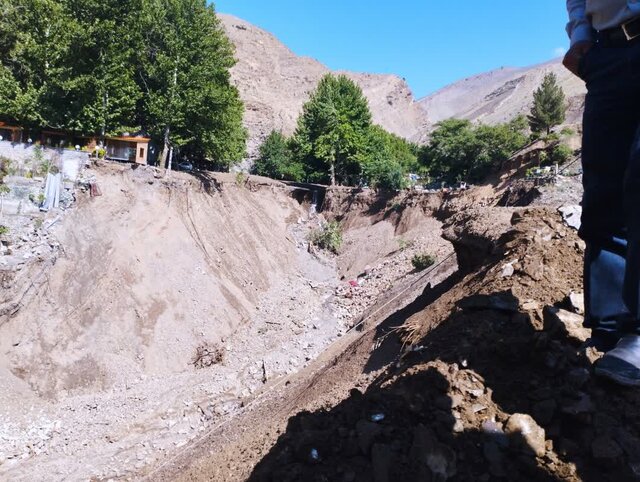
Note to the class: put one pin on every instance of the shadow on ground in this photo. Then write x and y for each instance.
(447, 411)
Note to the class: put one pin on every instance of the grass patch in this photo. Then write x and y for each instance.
(328, 237)
(423, 261)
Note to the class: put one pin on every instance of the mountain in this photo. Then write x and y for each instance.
(502, 94)
(274, 83)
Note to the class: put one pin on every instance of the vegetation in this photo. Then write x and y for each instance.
(549, 108)
(335, 142)
(423, 261)
(276, 160)
(3, 230)
(106, 67)
(459, 150)
(328, 237)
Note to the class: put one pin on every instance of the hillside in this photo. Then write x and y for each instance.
(274, 83)
(500, 95)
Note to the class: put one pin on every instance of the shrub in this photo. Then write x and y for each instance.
(329, 237)
(423, 261)
(4, 230)
(241, 178)
(560, 153)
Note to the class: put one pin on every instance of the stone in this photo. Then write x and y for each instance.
(508, 270)
(571, 216)
(606, 452)
(367, 432)
(494, 432)
(533, 436)
(427, 450)
(502, 302)
(576, 300)
(558, 320)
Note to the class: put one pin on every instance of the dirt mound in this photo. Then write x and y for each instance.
(494, 385)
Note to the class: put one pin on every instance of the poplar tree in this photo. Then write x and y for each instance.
(332, 132)
(549, 108)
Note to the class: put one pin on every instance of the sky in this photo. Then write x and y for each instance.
(430, 43)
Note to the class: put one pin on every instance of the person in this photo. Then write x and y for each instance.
(605, 53)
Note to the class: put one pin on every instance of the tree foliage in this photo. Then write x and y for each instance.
(332, 131)
(458, 150)
(105, 67)
(549, 108)
(276, 159)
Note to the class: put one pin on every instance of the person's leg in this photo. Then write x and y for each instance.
(608, 132)
(622, 364)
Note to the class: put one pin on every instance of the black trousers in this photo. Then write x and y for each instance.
(611, 204)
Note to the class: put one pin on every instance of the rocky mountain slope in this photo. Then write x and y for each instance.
(500, 95)
(274, 84)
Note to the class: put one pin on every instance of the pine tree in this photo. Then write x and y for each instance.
(548, 108)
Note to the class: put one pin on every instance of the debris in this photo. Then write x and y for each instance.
(571, 323)
(533, 436)
(571, 216)
(576, 300)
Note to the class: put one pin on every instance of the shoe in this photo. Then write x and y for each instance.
(622, 364)
(600, 343)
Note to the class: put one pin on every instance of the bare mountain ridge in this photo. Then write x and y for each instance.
(502, 94)
(274, 84)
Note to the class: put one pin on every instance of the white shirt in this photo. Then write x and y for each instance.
(587, 15)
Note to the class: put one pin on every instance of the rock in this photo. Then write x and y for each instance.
(544, 411)
(439, 458)
(508, 270)
(367, 432)
(533, 436)
(606, 452)
(571, 216)
(494, 432)
(576, 300)
(562, 320)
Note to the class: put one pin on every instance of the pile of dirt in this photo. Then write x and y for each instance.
(493, 385)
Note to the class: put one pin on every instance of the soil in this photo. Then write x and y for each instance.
(170, 305)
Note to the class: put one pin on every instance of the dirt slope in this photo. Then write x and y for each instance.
(274, 83)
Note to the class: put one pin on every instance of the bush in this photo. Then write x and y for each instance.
(4, 230)
(423, 261)
(560, 153)
(329, 237)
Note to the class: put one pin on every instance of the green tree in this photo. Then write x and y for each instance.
(549, 108)
(189, 101)
(275, 159)
(387, 160)
(458, 150)
(332, 131)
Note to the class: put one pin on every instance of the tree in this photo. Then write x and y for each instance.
(458, 150)
(387, 160)
(332, 131)
(275, 159)
(548, 108)
(189, 101)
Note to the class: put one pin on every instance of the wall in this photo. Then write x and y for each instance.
(70, 161)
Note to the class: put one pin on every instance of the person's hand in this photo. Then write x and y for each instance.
(573, 57)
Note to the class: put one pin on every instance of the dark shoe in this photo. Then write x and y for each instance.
(602, 344)
(622, 364)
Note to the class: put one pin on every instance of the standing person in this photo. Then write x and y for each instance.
(605, 52)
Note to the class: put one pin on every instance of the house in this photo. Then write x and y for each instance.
(128, 148)
(10, 133)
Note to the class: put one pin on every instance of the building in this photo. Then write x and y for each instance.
(10, 133)
(128, 148)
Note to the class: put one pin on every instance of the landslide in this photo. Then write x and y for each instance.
(482, 377)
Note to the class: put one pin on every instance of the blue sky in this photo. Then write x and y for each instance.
(431, 43)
